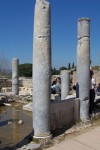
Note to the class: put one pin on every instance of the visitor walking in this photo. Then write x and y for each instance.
(58, 86)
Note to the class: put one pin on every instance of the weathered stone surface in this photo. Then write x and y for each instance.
(65, 83)
(83, 67)
(83, 28)
(15, 78)
(28, 107)
(41, 69)
(31, 146)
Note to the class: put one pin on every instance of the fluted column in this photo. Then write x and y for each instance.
(15, 76)
(65, 84)
(41, 70)
(83, 67)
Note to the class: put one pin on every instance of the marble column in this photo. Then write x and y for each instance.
(15, 77)
(41, 70)
(83, 67)
(65, 84)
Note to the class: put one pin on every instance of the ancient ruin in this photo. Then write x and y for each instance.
(50, 115)
(15, 77)
(65, 84)
(83, 67)
(41, 70)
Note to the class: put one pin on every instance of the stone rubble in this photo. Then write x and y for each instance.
(24, 99)
(20, 122)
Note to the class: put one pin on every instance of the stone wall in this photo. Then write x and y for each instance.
(62, 114)
(26, 82)
(24, 85)
(22, 90)
(4, 82)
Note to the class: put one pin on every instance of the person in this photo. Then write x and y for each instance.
(98, 90)
(58, 86)
(74, 86)
(53, 90)
(92, 92)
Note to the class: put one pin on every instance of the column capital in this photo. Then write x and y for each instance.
(84, 19)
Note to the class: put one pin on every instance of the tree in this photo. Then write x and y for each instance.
(73, 66)
(54, 71)
(25, 70)
(63, 68)
(69, 66)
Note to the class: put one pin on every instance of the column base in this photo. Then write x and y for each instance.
(42, 137)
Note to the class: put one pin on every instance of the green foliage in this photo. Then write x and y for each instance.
(54, 71)
(69, 67)
(73, 66)
(63, 68)
(25, 70)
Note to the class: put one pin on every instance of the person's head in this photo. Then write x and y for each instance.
(99, 84)
(59, 79)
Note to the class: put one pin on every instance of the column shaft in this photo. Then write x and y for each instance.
(65, 84)
(15, 77)
(83, 67)
(41, 70)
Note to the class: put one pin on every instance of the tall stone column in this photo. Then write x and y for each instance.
(41, 70)
(15, 76)
(65, 83)
(83, 67)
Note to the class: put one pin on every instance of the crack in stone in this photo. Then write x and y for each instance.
(42, 36)
(83, 37)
